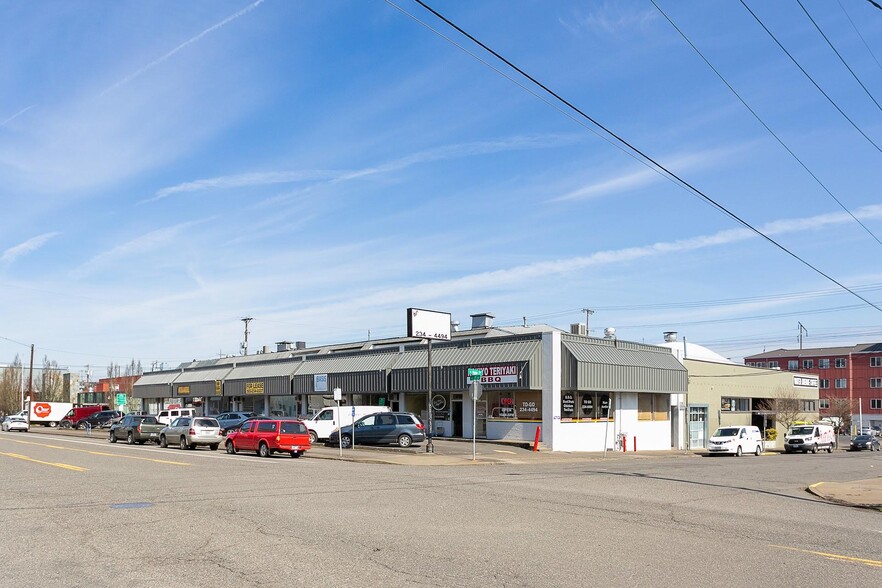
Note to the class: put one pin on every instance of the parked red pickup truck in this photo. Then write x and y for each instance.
(268, 436)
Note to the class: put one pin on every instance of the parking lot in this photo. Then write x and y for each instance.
(101, 514)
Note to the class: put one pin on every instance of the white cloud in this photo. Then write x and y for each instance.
(145, 243)
(611, 18)
(28, 246)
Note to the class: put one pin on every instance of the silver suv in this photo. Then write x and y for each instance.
(190, 432)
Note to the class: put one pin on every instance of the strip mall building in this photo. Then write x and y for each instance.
(584, 393)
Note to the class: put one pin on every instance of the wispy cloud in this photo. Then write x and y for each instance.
(182, 46)
(143, 244)
(610, 18)
(645, 176)
(28, 246)
(16, 115)
(447, 152)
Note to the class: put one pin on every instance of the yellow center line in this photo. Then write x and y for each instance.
(867, 562)
(57, 465)
(101, 453)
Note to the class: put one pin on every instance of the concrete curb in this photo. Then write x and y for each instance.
(866, 494)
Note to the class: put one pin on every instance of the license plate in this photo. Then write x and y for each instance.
(154, 434)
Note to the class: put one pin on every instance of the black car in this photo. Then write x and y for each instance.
(382, 428)
(860, 442)
(102, 418)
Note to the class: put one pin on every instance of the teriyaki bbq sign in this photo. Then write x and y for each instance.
(500, 374)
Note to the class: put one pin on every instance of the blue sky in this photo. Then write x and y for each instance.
(168, 168)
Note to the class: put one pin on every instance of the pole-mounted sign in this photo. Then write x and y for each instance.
(430, 325)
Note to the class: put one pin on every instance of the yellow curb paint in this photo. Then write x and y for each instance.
(867, 562)
(504, 451)
(57, 465)
(100, 453)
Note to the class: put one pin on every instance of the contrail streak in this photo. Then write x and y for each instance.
(186, 43)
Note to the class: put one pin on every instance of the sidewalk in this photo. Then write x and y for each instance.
(861, 493)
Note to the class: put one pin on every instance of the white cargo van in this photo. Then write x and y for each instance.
(807, 438)
(169, 415)
(736, 440)
(327, 420)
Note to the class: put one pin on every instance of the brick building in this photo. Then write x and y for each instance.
(851, 373)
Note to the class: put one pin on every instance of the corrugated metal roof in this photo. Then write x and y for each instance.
(327, 364)
(623, 355)
(264, 370)
(817, 351)
(477, 354)
(151, 378)
(203, 375)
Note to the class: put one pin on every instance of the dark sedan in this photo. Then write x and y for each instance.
(382, 428)
(103, 418)
(864, 442)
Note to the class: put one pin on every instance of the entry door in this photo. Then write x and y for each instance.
(697, 427)
(456, 414)
(481, 419)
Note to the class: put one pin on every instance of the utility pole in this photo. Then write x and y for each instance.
(246, 320)
(802, 330)
(588, 312)
(31, 377)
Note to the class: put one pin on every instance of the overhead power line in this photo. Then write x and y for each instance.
(763, 123)
(658, 166)
(851, 71)
(856, 30)
(810, 78)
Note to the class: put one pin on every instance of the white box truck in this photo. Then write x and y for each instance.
(328, 420)
(48, 414)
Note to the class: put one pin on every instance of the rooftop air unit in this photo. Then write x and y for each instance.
(283, 346)
(670, 336)
(609, 333)
(578, 329)
(300, 345)
(482, 320)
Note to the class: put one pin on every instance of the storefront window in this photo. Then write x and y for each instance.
(584, 406)
(525, 405)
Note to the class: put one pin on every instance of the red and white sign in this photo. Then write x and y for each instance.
(500, 374)
(42, 410)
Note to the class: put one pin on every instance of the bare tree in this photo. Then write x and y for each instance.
(786, 406)
(10, 387)
(841, 411)
(51, 382)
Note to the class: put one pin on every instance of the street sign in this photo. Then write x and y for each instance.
(120, 399)
(476, 390)
(475, 374)
(338, 394)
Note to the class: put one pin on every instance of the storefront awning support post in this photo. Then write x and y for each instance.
(430, 447)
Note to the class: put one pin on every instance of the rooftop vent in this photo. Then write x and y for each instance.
(578, 329)
(482, 320)
(283, 346)
(300, 345)
(454, 326)
(609, 333)
(670, 336)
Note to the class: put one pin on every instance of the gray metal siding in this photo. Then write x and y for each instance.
(349, 383)
(455, 378)
(272, 386)
(152, 391)
(622, 368)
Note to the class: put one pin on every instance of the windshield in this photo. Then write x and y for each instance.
(726, 432)
(863, 438)
(802, 430)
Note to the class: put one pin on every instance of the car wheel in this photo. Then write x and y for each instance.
(759, 451)
(130, 438)
(184, 443)
(738, 451)
(346, 441)
(112, 437)
(405, 440)
(830, 449)
(64, 424)
(231, 449)
(81, 426)
(263, 450)
(296, 453)
(213, 446)
(815, 448)
(313, 437)
(163, 442)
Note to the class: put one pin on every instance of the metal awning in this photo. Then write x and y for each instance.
(621, 366)
(155, 384)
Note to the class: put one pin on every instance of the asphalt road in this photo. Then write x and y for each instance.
(76, 511)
